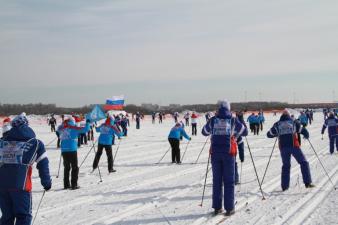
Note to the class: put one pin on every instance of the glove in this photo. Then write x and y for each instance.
(88, 121)
(189, 139)
(48, 187)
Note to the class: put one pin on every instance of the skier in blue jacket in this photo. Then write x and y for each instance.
(253, 123)
(223, 128)
(69, 137)
(107, 131)
(303, 119)
(331, 123)
(286, 130)
(174, 139)
(19, 149)
(261, 120)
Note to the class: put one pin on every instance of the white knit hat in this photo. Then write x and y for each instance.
(6, 128)
(224, 104)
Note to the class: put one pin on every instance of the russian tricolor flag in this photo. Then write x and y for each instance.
(115, 103)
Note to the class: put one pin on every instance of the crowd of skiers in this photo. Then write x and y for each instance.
(227, 132)
(256, 122)
(71, 135)
(20, 149)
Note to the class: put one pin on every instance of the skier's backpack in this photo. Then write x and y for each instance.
(296, 141)
(233, 140)
(233, 146)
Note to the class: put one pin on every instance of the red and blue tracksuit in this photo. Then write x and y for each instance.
(221, 128)
(19, 149)
(286, 131)
(331, 123)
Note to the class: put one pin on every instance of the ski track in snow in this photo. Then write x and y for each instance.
(143, 192)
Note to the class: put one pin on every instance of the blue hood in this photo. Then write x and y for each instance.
(331, 116)
(223, 113)
(21, 133)
(285, 117)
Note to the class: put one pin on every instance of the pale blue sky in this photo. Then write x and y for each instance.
(79, 52)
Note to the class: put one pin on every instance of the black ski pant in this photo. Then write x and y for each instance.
(187, 122)
(52, 128)
(256, 128)
(137, 123)
(58, 141)
(90, 135)
(125, 130)
(109, 154)
(252, 127)
(83, 138)
(79, 141)
(70, 163)
(175, 150)
(194, 129)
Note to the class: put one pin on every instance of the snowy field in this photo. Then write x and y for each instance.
(143, 192)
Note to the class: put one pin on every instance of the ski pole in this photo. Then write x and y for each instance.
(49, 143)
(205, 180)
(186, 148)
(163, 156)
(266, 169)
(253, 163)
(202, 150)
(43, 194)
(117, 149)
(166, 218)
(240, 178)
(57, 176)
(98, 168)
(322, 165)
(87, 154)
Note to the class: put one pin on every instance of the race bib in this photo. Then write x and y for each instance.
(12, 152)
(286, 127)
(222, 127)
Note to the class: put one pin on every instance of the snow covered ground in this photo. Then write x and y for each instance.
(143, 192)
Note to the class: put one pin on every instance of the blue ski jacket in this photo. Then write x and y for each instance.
(221, 127)
(69, 135)
(286, 129)
(19, 149)
(177, 131)
(332, 124)
(106, 134)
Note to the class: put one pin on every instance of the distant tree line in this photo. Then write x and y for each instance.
(42, 109)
